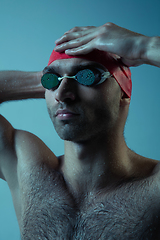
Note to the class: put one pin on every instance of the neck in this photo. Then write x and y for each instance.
(94, 164)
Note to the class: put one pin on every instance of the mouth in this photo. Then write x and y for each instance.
(65, 114)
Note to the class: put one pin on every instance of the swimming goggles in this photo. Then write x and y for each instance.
(86, 77)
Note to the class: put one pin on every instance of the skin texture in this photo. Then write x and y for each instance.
(134, 49)
(99, 189)
(70, 94)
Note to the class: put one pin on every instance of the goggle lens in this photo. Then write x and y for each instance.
(85, 77)
(49, 80)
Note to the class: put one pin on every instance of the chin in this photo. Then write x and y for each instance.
(78, 134)
(71, 135)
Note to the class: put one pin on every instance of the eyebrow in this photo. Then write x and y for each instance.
(75, 68)
(49, 70)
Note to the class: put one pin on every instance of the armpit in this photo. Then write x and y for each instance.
(6, 134)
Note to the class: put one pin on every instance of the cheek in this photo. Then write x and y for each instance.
(89, 94)
(111, 92)
(104, 92)
(86, 94)
(92, 102)
(50, 97)
(109, 99)
(50, 102)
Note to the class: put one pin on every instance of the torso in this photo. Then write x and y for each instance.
(130, 211)
(47, 210)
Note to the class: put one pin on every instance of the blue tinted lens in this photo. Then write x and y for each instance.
(85, 77)
(49, 80)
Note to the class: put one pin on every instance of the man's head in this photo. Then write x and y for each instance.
(77, 111)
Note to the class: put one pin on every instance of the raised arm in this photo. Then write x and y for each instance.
(133, 48)
(15, 85)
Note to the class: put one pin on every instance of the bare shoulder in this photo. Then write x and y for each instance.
(20, 148)
(32, 150)
(143, 166)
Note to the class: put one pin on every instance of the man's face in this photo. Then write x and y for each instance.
(81, 112)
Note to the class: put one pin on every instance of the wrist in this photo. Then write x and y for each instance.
(151, 51)
(143, 44)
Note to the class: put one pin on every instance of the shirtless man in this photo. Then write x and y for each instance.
(99, 189)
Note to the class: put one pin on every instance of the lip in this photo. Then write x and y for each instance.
(65, 114)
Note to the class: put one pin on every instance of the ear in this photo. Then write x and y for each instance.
(125, 100)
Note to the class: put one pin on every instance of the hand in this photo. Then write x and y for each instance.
(128, 45)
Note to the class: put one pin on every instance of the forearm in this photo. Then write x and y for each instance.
(16, 85)
(152, 53)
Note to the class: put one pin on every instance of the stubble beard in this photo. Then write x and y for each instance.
(83, 128)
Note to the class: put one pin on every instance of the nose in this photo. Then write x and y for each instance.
(66, 90)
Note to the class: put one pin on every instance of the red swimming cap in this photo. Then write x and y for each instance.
(121, 73)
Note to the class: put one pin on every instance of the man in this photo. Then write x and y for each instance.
(99, 189)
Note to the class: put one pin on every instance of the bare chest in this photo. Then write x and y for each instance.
(49, 211)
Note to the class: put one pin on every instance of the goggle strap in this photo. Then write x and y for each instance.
(104, 76)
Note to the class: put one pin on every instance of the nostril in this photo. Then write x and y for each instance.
(65, 97)
(63, 94)
(70, 95)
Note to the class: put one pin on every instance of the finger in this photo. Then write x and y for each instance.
(67, 37)
(70, 35)
(82, 50)
(77, 29)
(74, 43)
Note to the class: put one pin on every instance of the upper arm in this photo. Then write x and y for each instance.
(6, 144)
(19, 150)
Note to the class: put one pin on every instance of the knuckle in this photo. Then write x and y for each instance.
(75, 28)
(64, 37)
(67, 36)
(108, 25)
(80, 34)
(78, 40)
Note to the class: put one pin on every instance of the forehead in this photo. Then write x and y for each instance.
(66, 66)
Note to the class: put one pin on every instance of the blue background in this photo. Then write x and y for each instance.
(28, 30)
